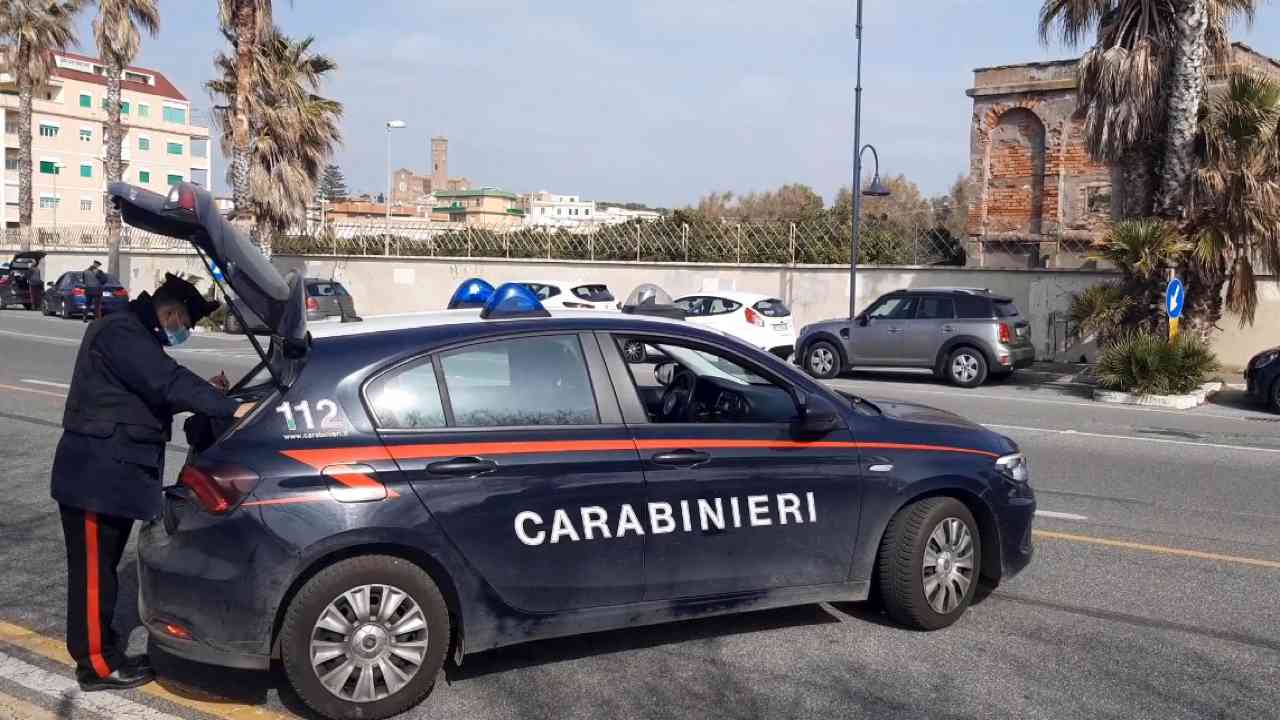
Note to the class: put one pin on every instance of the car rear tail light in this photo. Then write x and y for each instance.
(218, 488)
(122, 293)
(313, 304)
(1006, 335)
(177, 631)
(754, 318)
(77, 292)
(4, 280)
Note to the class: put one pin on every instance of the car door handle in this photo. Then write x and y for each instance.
(466, 466)
(681, 458)
(948, 329)
(895, 330)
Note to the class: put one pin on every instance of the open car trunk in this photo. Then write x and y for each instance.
(188, 212)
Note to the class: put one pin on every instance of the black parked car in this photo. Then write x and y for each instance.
(20, 282)
(1263, 377)
(323, 298)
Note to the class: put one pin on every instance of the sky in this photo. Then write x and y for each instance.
(658, 102)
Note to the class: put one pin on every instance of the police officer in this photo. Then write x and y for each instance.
(94, 279)
(109, 463)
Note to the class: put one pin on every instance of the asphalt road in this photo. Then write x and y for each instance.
(1153, 593)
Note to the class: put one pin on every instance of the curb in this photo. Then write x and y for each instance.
(1173, 402)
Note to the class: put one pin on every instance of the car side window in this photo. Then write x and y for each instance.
(64, 282)
(539, 380)
(898, 307)
(721, 306)
(692, 306)
(973, 307)
(936, 308)
(407, 398)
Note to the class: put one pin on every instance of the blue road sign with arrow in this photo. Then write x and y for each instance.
(1174, 297)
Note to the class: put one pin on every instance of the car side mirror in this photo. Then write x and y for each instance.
(863, 320)
(817, 415)
(664, 373)
(49, 284)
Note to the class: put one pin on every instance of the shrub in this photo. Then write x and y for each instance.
(1150, 365)
(1101, 311)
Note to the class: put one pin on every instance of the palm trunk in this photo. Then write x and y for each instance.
(1139, 181)
(114, 168)
(245, 20)
(25, 93)
(1186, 88)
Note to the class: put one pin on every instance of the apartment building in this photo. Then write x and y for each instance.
(549, 210)
(485, 207)
(162, 144)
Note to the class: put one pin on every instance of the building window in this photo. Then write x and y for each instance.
(586, 212)
(175, 115)
(86, 100)
(86, 135)
(11, 162)
(86, 170)
(200, 149)
(173, 179)
(542, 211)
(48, 202)
(144, 176)
(86, 204)
(1098, 200)
(144, 110)
(48, 130)
(174, 148)
(124, 107)
(48, 167)
(144, 143)
(137, 77)
(200, 176)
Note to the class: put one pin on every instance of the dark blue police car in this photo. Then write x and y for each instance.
(414, 488)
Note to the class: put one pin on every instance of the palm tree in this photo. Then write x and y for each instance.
(247, 24)
(34, 29)
(1235, 193)
(1141, 84)
(115, 31)
(292, 129)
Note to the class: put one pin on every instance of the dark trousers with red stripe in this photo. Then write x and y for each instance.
(95, 544)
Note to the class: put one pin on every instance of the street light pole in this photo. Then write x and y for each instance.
(391, 125)
(875, 189)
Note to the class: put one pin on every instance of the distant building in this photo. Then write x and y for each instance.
(483, 207)
(162, 144)
(1038, 193)
(408, 188)
(543, 209)
(362, 210)
(617, 215)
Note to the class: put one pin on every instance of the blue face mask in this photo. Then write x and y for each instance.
(177, 337)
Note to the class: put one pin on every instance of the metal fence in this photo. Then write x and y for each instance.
(822, 240)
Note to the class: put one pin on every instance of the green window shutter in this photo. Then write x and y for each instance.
(86, 171)
(144, 143)
(86, 101)
(144, 177)
(174, 179)
(124, 108)
(175, 148)
(47, 167)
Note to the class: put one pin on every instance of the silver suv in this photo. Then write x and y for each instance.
(962, 334)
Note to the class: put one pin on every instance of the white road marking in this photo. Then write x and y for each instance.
(1160, 441)
(1060, 515)
(869, 390)
(45, 338)
(50, 383)
(65, 690)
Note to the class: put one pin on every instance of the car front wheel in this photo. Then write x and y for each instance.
(966, 367)
(822, 360)
(365, 638)
(929, 563)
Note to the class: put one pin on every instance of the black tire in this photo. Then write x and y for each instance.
(900, 563)
(66, 310)
(966, 367)
(328, 585)
(822, 360)
(44, 309)
(28, 306)
(1275, 395)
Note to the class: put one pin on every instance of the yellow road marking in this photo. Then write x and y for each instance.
(12, 707)
(33, 392)
(55, 650)
(1160, 549)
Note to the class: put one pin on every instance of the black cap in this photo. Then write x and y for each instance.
(175, 288)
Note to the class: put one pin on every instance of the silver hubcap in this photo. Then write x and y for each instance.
(369, 643)
(965, 368)
(821, 360)
(948, 565)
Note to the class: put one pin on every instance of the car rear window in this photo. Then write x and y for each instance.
(322, 289)
(773, 307)
(518, 382)
(1005, 309)
(972, 307)
(593, 293)
(407, 398)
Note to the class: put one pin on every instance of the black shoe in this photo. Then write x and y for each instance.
(140, 663)
(121, 678)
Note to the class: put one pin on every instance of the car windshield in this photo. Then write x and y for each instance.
(1006, 309)
(773, 307)
(593, 293)
(707, 365)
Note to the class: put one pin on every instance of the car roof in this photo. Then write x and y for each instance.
(444, 318)
(746, 298)
(562, 283)
(985, 292)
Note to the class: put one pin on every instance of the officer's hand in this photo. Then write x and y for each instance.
(220, 381)
(244, 409)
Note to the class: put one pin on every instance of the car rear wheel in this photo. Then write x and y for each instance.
(365, 638)
(822, 360)
(929, 563)
(1275, 395)
(966, 367)
(66, 310)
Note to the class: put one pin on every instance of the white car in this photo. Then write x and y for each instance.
(578, 294)
(759, 320)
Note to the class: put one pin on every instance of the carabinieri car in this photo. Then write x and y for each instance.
(411, 489)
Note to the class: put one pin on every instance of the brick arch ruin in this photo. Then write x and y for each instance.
(1018, 151)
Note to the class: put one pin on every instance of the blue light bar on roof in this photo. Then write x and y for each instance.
(512, 300)
(472, 293)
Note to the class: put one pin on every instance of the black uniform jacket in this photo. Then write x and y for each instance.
(124, 393)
